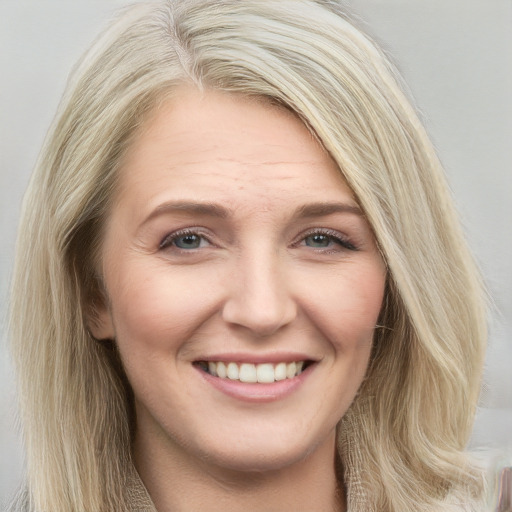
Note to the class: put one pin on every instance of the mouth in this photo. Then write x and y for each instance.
(264, 373)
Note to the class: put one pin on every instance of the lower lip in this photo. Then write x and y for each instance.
(257, 392)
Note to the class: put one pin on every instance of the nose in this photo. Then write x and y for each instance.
(259, 297)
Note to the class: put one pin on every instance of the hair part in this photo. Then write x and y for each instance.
(402, 441)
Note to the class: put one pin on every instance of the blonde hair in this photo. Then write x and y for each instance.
(401, 444)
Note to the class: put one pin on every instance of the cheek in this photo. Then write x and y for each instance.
(154, 308)
(347, 306)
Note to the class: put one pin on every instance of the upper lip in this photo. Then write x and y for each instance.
(244, 357)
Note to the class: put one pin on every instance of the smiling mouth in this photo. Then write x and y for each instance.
(265, 373)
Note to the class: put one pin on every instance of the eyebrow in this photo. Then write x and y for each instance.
(219, 211)
(209, 209)
(323, 209)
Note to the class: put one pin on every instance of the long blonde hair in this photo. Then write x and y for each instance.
(401, 444)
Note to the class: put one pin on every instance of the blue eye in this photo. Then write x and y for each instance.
(184, 241)
(328, 240)
(189, 241)
(318, 240)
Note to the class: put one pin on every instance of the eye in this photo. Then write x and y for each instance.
(184, 240)
(187, 241)
(318, 240)
(329, 240)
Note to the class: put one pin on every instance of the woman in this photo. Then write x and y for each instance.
(240, 279)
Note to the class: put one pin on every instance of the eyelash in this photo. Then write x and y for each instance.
(171, 238)
(332, 236)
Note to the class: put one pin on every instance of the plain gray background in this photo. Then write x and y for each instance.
(456, 56)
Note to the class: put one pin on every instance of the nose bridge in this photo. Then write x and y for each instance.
(260, 298)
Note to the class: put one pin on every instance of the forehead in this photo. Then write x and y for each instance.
(198, 144)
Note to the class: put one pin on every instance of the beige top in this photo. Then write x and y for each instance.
(139, 497)
(141, 502)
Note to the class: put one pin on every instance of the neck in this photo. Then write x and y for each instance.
(176, 482)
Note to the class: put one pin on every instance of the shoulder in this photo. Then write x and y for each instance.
(136, 494)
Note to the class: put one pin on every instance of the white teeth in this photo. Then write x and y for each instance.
(291, 369)
(221, 370)
(265, 373)
(232, 371)
(280, 371)
(248, 372)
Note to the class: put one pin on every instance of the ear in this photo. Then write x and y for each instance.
(99, 319)
(100, 325)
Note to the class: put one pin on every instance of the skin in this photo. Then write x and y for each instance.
(265, 270)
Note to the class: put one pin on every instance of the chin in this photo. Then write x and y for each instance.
(257, 462)
(267, 454)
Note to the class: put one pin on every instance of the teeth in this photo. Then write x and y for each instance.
(221, 370)
(291, 370)
(232, 371)
(265, 373)
(248, 372)
(280, 371)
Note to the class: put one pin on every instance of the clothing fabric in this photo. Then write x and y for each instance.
(138, 496)
(140, 500)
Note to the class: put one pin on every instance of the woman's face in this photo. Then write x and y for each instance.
(243, 284)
